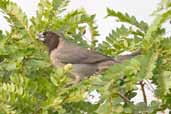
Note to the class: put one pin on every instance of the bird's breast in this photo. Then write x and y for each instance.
(56, 53)
(54, 57)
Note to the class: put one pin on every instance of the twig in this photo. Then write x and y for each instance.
(150, 86)
(124, 97)
(143, 91)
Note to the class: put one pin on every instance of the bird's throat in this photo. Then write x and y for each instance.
(53, 44)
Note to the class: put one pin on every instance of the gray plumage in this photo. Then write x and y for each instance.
(84, 62)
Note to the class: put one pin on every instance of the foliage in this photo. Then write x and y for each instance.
(30, 85)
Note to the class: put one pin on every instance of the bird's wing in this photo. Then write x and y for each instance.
(71, 53)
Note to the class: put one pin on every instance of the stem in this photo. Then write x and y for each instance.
(110, 101)
(148, 83)
(143, 91)
(124, 97)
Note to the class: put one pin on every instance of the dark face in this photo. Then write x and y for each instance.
(50, 39)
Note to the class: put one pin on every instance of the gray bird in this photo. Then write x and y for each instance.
(84, 62)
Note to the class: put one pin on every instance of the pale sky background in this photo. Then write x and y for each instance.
(141, 9)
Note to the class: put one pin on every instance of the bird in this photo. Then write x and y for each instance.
(85, 62)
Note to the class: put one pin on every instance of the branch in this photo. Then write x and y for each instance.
(143, 91)
(124, 97)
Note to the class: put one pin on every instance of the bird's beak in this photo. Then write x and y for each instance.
(41, 37)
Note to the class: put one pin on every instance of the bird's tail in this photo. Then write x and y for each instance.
(104, 65)
(121, 58)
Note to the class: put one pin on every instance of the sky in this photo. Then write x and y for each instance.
(139, 8)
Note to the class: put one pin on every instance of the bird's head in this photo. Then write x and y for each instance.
(50, 39)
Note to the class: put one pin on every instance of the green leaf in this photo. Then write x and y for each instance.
(148, 64)
(118, 41)
(105, 108)
(165, 78)
(128, 19)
